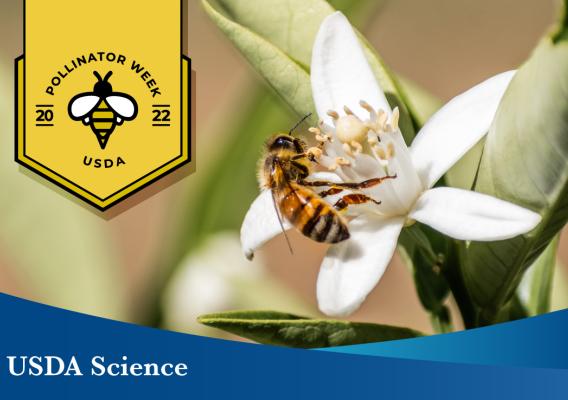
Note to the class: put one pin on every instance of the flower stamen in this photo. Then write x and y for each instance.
(333, 114)
(373, 139)
(395, 118)
(381, 120)
(366, 106)
(356, 146)
(320, 137)
(339, 162)
(315, 152)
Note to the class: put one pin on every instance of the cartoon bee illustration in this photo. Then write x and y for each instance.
(284, 170)
(102, 109)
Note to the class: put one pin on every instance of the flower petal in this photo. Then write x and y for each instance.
(325, 176)
(351, 269)
(456, 128)
(260, 224)
(467, 215)
(340, 73)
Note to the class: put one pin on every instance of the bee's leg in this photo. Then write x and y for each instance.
(310, 155)
(330, 192)
(301, 168)
(350, 185)
(351, 199)
(314, 153)
(299, 156)
(365, 184)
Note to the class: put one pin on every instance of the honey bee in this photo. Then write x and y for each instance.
(102, 109)
(284, 170)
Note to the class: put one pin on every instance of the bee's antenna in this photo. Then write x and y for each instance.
(108, 75)
(298, 124)
(97, 75)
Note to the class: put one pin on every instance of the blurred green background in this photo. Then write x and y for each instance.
(175, 254)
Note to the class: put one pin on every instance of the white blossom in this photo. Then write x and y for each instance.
(361, 140)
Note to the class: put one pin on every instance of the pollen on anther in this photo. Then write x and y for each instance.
(347, 110)
(366, 106)
(395, 118)
(372, 138)
(333, 114)
(316, 152)
(357, 146)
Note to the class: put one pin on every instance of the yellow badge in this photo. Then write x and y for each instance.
(103, 95)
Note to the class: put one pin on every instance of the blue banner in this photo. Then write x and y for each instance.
(52, 353)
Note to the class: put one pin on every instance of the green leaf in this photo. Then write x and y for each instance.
(562, 29)
(559, 297)
(290, 80)
(291, 25)
(431, 286)
(259, 27)
(538, 280)
(525, 161)
(276, 328)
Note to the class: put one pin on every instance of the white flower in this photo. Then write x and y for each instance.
(366, 143)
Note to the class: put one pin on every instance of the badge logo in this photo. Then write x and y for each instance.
(103, 111)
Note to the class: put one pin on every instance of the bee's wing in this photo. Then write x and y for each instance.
(124, 105)
(82, 104)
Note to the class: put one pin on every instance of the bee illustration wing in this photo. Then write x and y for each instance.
(124, 105)
(82, 104)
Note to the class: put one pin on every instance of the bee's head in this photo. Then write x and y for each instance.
(285, 142)
(102, 88)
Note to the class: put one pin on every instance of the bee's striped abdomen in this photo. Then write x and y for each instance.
(103, 122)
(311, 215)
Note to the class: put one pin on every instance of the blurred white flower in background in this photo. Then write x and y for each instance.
(215, 278)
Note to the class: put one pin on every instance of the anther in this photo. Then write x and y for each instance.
(347, 110)
(323, 138)
(333, 114)
(315, 152)
(357, 146)
(372, 139)
(395, 118)
(366, 106)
